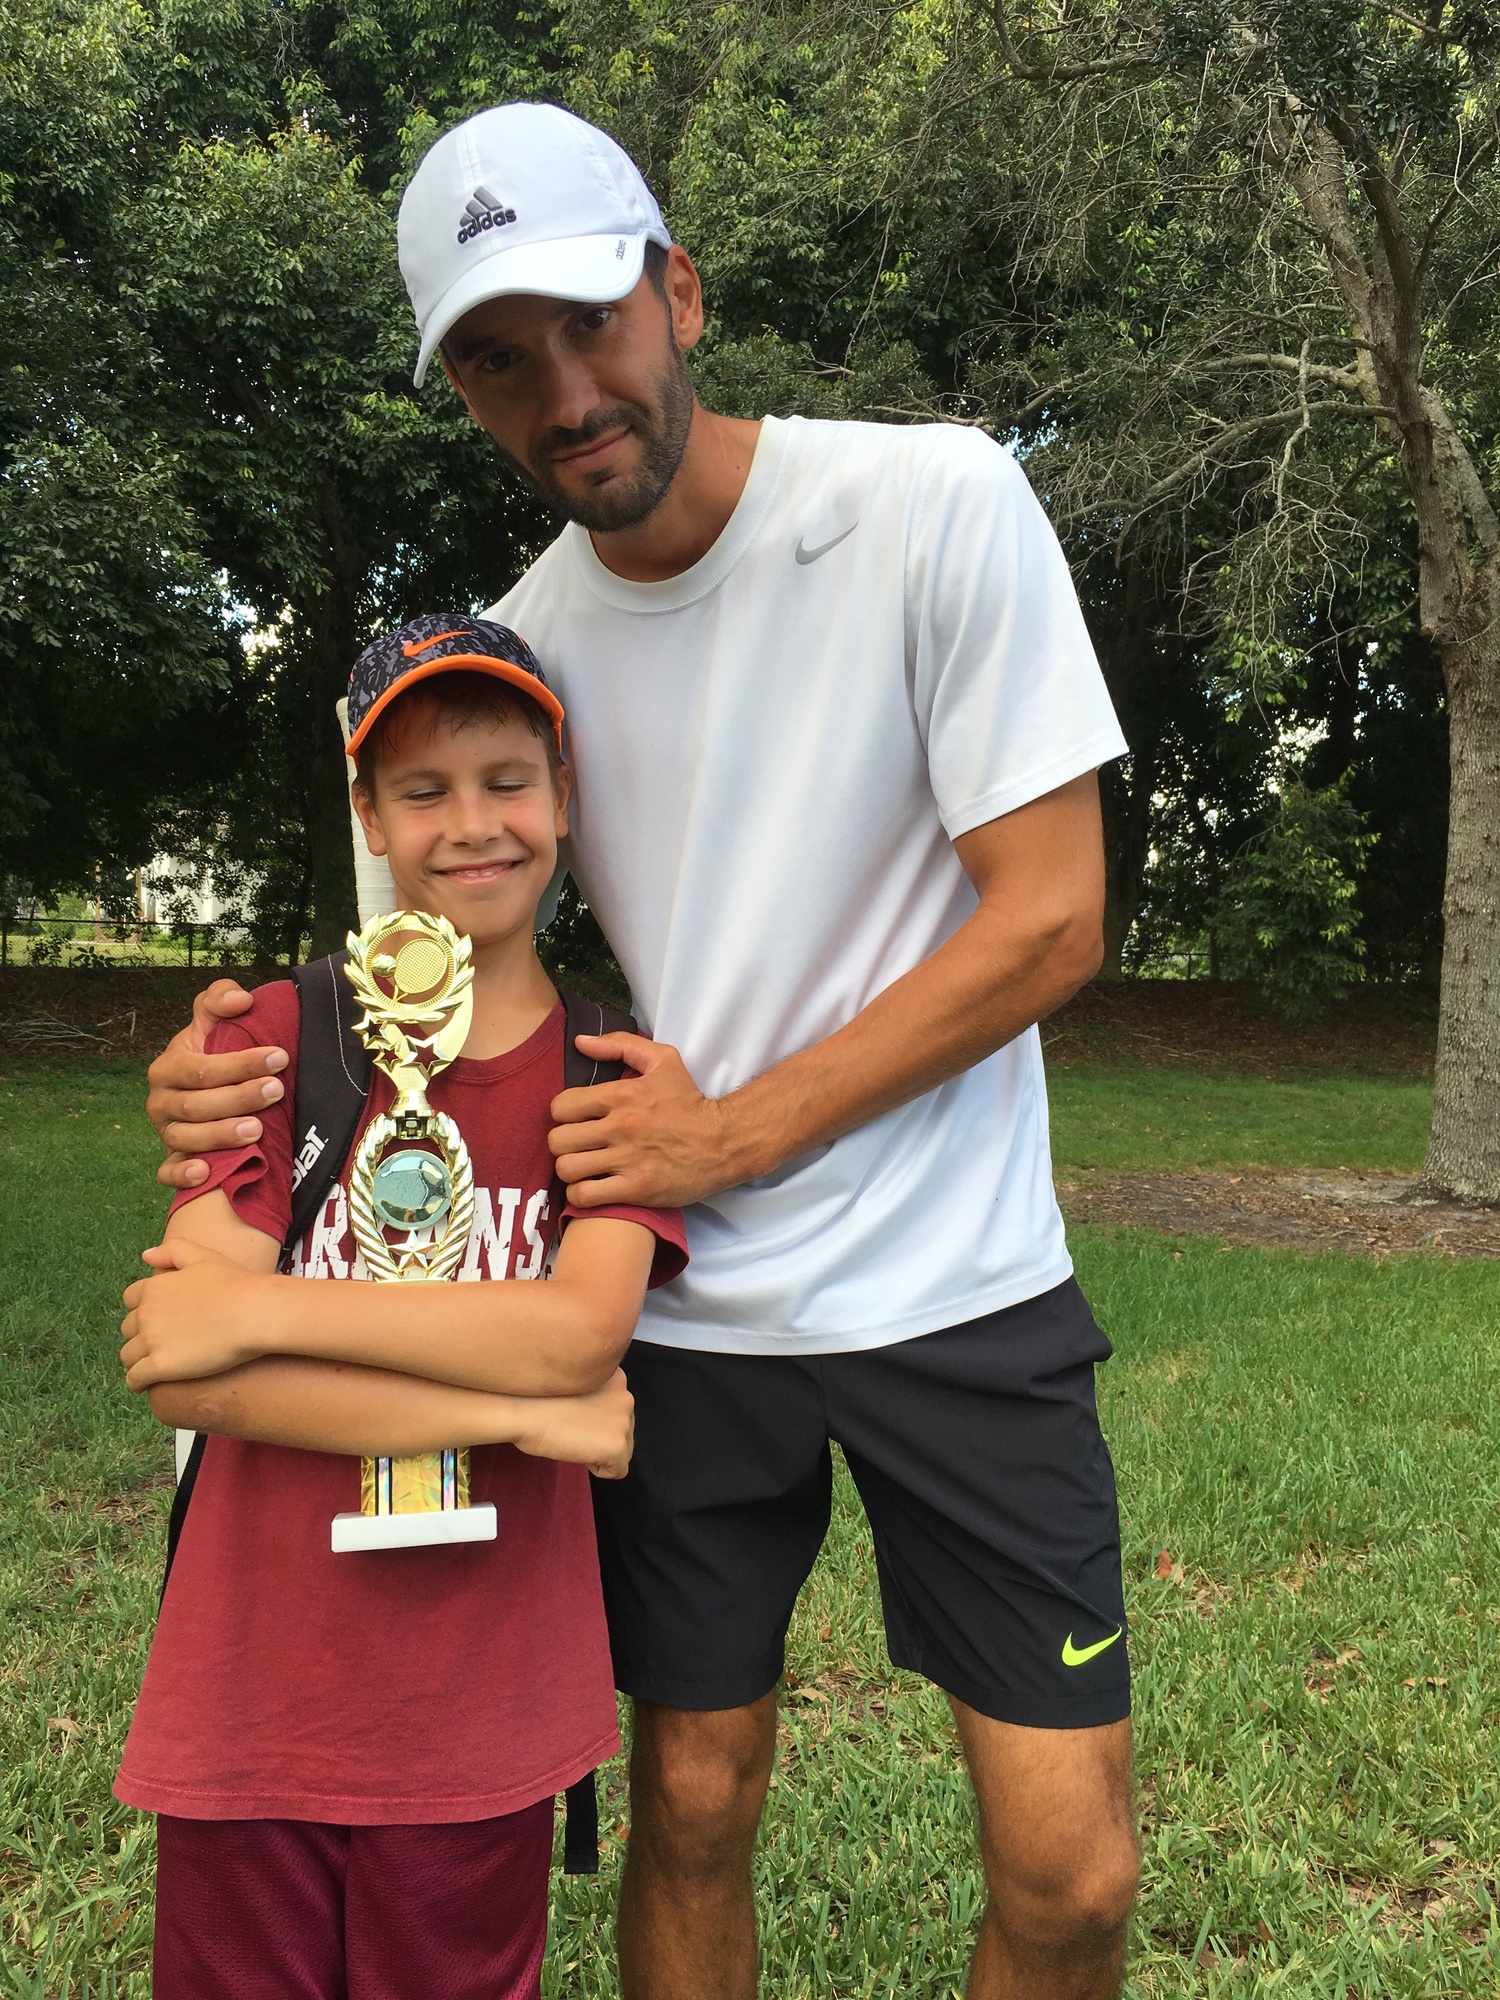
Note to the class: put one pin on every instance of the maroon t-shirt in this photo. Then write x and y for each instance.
(375, 1688)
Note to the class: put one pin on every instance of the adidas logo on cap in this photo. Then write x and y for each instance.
(482, 211)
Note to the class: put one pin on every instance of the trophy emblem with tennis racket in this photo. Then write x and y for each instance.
(411, 1197)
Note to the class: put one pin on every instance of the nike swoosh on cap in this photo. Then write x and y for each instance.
(1077, 1656)
(807, 555)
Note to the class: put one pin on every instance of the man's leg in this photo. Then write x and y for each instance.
(698, 1780)
(702, 1551)
(1058, 1837)
(991, 1499)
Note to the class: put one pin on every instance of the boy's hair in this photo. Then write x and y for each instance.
(460, 698)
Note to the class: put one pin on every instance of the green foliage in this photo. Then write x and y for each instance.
(577, 954)
(219, 434)
(1287, 915)
(116, 642)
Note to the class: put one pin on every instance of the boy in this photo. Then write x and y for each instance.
(353, 1757)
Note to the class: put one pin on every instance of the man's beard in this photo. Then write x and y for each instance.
(621, 503)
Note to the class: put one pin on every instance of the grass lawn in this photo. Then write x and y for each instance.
(1310, 1441)
(1156, 1120)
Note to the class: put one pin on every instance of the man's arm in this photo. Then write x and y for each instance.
(1036, 936)
(207, 1311)
(205, 1104)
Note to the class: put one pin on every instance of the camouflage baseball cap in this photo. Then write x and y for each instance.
(442, 642)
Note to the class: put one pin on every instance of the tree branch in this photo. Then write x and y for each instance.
(1287, 364)
(1446, 206)
(1428, 29)
(1060, 72)
(1299, 413)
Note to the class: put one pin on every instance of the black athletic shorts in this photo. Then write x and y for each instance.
(988, 1486)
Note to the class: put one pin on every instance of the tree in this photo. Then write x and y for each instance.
(220, 433)
(1290, 921)
(897, 218)
(1325, 222)
(116, 643)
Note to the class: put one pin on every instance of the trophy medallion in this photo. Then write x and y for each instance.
(411, 1197)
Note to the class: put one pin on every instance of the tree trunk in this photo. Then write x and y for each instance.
(334, 911)
(1126, 807)
(1463, 1157)
(1131, 621)
(332, 645)
(297, 917)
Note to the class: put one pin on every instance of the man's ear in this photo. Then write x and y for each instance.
(369, 819)
(458, 387)
(684, 291)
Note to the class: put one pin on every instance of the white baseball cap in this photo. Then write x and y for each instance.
(521, 198)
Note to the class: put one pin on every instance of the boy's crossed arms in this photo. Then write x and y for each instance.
(218, 1340)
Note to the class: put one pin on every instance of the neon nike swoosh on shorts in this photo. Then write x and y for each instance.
(1077, 1656)
(806, 555)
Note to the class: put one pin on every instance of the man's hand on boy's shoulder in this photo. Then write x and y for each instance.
(652, 1140)
(201, 1103)
(200, 1313)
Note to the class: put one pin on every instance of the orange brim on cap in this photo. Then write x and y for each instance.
(474, 663)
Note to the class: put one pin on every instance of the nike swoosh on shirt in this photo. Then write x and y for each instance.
(1077, 1656)
(807, 555)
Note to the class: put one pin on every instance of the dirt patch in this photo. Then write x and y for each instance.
(1361, 1214)
(1228, 1029)
(56, 1014)
(64, 1015)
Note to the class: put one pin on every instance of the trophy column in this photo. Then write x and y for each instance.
(411, 1199)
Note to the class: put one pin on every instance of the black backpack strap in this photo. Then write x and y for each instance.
(586, 1017)
(591, 1017)
(333, 1080)
(581, 1819)
(180, 1500)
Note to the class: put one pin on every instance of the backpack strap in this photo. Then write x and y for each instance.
(586, 1017)
(333, 1080)
(590, 1017)
(187, 1480)
(581, 1827)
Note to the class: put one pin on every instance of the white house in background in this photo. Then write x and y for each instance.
(157, 904)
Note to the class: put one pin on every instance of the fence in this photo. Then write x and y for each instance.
(94, 943)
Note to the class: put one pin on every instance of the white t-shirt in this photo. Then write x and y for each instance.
(774, 754)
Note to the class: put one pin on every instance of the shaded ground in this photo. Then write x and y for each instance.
(1228, 1029)
(59, 1013)
(1136, 1023)
(1361, 1214)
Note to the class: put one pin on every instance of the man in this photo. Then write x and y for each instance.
(835, 720)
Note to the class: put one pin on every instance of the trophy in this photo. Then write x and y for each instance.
(411, 1197)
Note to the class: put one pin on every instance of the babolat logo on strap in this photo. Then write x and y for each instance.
(482, 211)
(307, 1156)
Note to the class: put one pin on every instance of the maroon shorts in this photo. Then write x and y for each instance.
(284, 1909)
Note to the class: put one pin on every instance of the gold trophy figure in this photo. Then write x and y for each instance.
(411, 1197)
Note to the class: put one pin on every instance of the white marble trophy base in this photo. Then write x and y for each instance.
(414, 1531)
